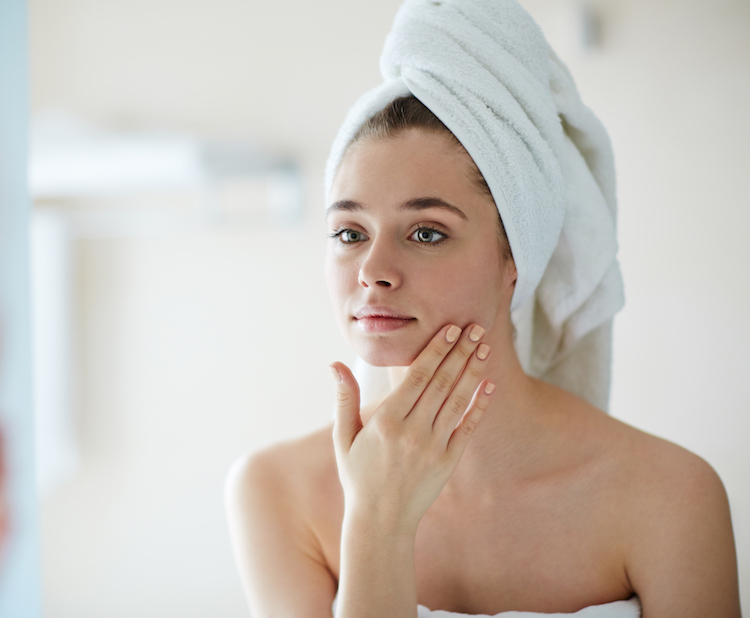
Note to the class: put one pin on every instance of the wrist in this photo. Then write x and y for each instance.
(376, 526)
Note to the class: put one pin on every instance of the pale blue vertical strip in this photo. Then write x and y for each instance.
(19, 571)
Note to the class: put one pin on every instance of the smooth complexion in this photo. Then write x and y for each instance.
(433, 262)
(410, 257)
(450, 493)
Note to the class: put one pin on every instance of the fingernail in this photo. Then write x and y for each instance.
(476, 333)
(452, 334)
(489, 388)
(483, 351)
(336, 374)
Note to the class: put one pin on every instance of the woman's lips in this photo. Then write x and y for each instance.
(381, 319)
(381, 324)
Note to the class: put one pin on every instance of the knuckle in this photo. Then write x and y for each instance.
(385, 423)
(343, 397)
(465, 348)
(459, 404)
(418, 378)
(439, 352)
(442, 382)
(382, 428)
(468, 426)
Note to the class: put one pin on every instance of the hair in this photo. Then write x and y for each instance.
(408, 112)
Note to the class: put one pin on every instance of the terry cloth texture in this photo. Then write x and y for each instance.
(484, 68)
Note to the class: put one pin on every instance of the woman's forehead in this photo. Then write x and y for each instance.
(413, 164)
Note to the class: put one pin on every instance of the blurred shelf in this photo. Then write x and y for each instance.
(113, 183)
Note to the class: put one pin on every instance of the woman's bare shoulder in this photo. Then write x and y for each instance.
(649, 463)
(652, 479)
(629, 452)
(664, 481)
(288, 467)
(670, 508)
(682, 559)
(273, 501)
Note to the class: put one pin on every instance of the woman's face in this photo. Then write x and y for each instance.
(413, 247)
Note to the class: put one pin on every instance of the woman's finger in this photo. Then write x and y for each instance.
(422, 370)
(455, 405)
(348, 422)
(446, 377)
(470, 420)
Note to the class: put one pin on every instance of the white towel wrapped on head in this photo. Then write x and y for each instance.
(484, 68)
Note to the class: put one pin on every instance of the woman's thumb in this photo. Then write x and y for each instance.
(348, 422)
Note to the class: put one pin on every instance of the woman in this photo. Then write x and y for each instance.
(475, 487)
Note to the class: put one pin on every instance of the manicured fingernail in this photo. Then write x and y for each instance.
(476, 333)
(336, 374)
(489, 388)
(452, 334)
(483, 351)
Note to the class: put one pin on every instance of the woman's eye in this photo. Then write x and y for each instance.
(351, 236)
(348, 236)
(427, 235)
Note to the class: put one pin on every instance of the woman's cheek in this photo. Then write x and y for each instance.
(475, 297)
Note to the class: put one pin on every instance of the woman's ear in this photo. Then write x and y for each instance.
(512, 272)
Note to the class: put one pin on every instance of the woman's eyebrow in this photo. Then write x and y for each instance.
(420, 203)
(346, 205)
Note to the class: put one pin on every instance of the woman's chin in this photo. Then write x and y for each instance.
(397, 348)
(386, 356)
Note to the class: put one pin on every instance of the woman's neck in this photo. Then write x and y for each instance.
(511, 429)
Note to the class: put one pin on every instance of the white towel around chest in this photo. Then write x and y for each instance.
(617, 609)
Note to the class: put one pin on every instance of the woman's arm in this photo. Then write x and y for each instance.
(280, 561)
(683, 562)
(391, 471)
(394, 467)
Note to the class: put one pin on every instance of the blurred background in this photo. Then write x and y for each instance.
(180, 316)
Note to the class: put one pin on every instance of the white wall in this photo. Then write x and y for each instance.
(198, 346)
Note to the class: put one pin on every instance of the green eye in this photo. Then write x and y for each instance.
(350, 236)
(428, 235)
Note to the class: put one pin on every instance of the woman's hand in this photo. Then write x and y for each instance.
(395, 467)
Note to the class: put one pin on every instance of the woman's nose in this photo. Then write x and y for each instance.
(380, 267)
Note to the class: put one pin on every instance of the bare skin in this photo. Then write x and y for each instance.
(533, 500)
